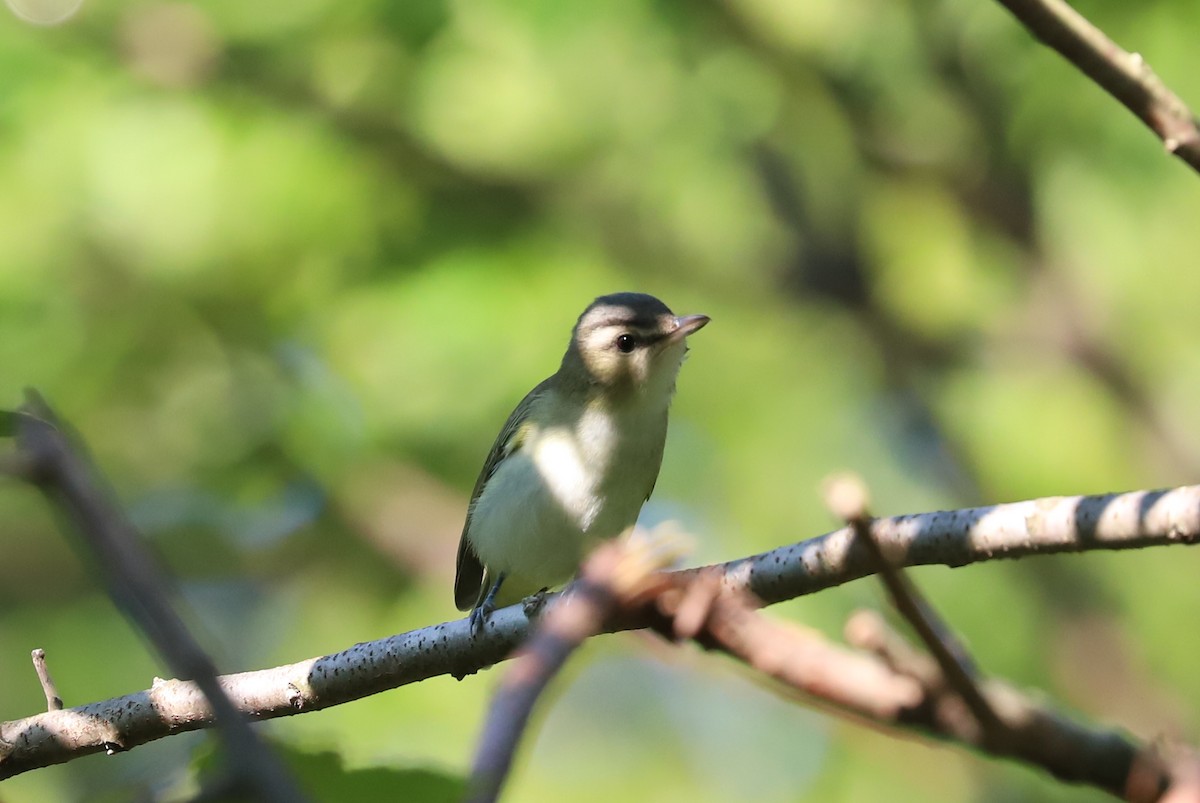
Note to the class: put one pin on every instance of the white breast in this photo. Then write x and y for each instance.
(569, 485)
(571, 472)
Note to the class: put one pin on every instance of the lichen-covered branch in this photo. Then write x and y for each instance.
(1045, 526)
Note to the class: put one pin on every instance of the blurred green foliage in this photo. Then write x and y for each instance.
(287, 267)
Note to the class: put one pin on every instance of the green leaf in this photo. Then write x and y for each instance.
(322, 776)
(9, 421)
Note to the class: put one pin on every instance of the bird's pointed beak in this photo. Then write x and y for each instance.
(686, 325)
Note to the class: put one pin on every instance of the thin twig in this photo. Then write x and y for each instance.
(61, 470)
(53, 701)
(869, 688)
(1126, 76)
(565, 625)
(800, 657)
(615, 573)
(1039, 735)
(847, 497)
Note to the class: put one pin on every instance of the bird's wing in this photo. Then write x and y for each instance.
(658, 458)
(469, 579)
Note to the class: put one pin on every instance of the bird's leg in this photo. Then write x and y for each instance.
(481, 612)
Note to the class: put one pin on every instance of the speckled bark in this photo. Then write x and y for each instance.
(954, 538)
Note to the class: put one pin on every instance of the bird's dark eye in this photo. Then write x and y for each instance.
(626, 343)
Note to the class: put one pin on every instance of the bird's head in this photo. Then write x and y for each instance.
(629, 343)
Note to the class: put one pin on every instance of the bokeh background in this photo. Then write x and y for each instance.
(287, 266)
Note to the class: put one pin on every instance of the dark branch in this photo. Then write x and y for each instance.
(573, 617)
(848, 498)
(1037, 734)
(907, 693)
(57, 464)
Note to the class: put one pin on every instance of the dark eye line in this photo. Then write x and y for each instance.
(627, 341)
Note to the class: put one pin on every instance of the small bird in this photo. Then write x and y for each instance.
(579, 456)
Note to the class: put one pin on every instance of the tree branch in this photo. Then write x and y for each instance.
(576, 614)
(1038, 735)
(903, 689)
(57, 465)
(1126, 76)
(953, 538)
(846, 496)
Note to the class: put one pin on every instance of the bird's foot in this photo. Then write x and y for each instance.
(479, 616)
(483, 611)
(533, 605)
